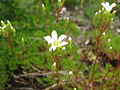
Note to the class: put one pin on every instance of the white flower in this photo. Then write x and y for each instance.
(55, 41)
(70, 72)
(107, 6)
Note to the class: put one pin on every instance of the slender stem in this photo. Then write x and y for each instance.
(97, 43)
(107, 74)
(116, 1)
(10, 41)
(4, 44)
(97, 52)
(59, 10)
(57, 69)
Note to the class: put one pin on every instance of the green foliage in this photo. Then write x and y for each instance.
(92, 6)
(8, 63)
(108, 39)
(99, 20)
(32, 22)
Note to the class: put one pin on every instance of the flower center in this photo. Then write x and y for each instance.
(56, 43)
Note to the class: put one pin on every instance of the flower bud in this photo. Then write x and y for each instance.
(110, 47)
(109, 40)
(64, 48)
(70, 39)
(70, 72)
(54, 64)
(104, 33)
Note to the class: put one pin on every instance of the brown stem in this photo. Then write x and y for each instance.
(58, 14)
(107, 74)
(59, 10)
(97, 43)
(10, 41)
(116, 1)
(97, 52)
(57, 69)
(4, 44)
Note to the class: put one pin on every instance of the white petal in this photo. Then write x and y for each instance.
(63, 43)
(54, 35)
(48, 39)
(62, 37)
(107, 4)
(103, 4)
(50, 49)
(54, 48)
(113, 5)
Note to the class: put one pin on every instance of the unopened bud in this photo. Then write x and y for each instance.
(110, 47)
(109, 40)
(70, 39)
(75, 89)
(70, 72)
(104, 33)
(59, 0)
(54, 64)
(43, 5)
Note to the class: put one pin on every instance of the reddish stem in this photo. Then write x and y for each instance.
(4, 44)
(57, 69)
(10, 41)
(59, 10)
(116, 1)
(97, 43)
(107, 74)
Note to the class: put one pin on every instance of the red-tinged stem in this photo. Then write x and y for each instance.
(4, 44)
(116, 1)
(107, 74)
(97, 46)
(97, 43)
(10, 41)
(59, 10)
(58, 14)
(57, 69)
